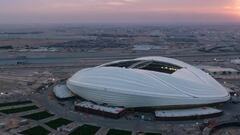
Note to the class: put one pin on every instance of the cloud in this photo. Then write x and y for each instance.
(233, 7)
(111, 10)
(119, 2)
(115, 3)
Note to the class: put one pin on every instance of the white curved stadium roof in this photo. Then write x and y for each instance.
(147, 82)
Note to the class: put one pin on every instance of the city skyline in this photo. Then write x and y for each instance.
(119, 11)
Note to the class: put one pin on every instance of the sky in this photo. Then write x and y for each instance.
(119, 11)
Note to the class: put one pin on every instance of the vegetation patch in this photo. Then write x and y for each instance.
(38, 130)
(58, 123)
(85, 130)
(15, 103)
(118, 132)
(152, 134)
(38, 115)
(19, 109)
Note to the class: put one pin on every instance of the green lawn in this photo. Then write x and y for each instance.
(19, 109)
(38, 130)
(38, 115)
(15, 103)
(118, 132)
(152, 134)
(58, 123)
(85, 130)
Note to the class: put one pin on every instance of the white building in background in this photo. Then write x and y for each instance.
(145, 47)
(147, 82)
(236, 61)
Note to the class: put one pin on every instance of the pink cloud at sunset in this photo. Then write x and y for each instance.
(132, 11)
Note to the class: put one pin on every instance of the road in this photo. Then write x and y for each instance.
(110, 57)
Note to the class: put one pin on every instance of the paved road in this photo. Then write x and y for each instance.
(53, 106)
(108, 57)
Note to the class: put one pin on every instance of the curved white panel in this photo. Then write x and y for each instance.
(131, 87)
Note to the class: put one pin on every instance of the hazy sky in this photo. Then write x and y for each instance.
(119, 11)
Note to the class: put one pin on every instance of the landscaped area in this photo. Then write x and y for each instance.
(38, 130)
(152, 134)
(19, 109)
(15, 103)
(58, 123)
(118, 132)
(85, 130)
(38, 115)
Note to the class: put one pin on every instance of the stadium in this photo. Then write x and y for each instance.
(147, 82)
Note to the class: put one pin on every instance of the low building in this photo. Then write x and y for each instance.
(236, 61)
(191, 113)
(62, 92)
(221, 72)
(106, 111)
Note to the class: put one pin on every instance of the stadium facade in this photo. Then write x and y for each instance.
(147, 82)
